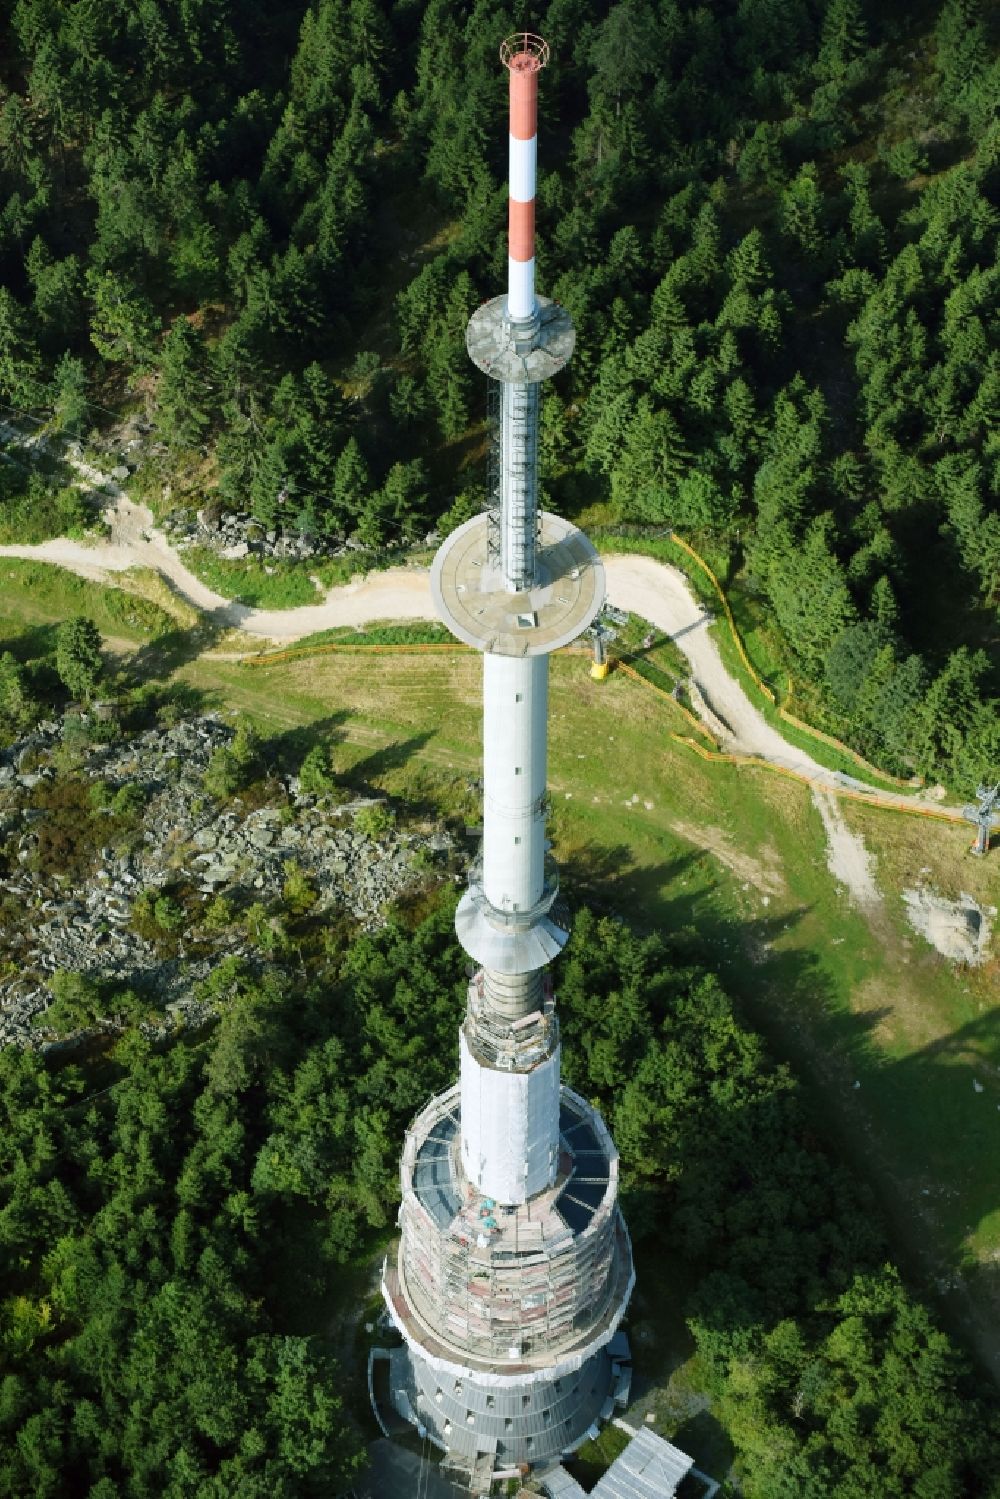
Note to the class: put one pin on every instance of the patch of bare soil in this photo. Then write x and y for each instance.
(846, 856)
(959, 929)
(766, 878)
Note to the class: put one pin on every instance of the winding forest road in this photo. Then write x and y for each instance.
(653, 590)
(641, 585)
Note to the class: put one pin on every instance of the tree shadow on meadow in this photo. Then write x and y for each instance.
(33, 642)
(390, 757)
(606, 876)
(285, 750)
(169, 652)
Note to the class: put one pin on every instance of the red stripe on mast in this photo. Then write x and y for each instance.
(523, 96)
(520, 229)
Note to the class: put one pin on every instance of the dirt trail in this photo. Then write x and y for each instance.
(651, 589)
(661, 594)
(136, 541)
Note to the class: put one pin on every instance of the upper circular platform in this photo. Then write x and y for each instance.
(472, 601)
(522, 352)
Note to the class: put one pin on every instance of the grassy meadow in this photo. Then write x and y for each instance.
(899, 1051)
(731, 862)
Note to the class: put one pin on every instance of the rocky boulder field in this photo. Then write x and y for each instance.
(117, 864)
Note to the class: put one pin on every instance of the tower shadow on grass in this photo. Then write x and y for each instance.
(784, 992)
(919, 1131)
(919, 1134)
(945, 1100)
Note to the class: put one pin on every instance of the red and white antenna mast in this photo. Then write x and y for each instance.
(523, 55)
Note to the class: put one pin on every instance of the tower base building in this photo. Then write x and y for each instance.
(506, 1311)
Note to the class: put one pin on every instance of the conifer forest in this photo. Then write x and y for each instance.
(775, 224)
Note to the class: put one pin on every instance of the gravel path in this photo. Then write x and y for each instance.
(847, 859)
(661, 594)
(651, 589)
(135, 541)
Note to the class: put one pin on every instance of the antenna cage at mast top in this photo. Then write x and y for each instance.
(524, 52)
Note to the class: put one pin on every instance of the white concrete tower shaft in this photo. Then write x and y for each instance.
(510, 1130)
(514, 1266)
(517, 602)
(515, 702)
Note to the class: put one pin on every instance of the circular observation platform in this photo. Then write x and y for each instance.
(470, 597)
(520, 352)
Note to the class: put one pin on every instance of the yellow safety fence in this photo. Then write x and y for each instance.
(347, 647)
(870, 798)
(758, 682)
(696, 723)
(797, 723)
(838, 744)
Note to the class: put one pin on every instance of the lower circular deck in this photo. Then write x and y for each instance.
(470, 597)
(584, 1173)
(492, 1427)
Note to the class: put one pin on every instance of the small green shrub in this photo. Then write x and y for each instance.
(315, 778)
(76, 1001)
(129, 801)
(233, 766)
(422, 860)
(101, 796)
(298, 892)
(374, 822)
(266, 932)
(218, 914)
(168, 915)
(156, 915)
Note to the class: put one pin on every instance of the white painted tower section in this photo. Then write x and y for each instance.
(515, 707)
(520, 286)
(510, 1127)
(522, 159)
